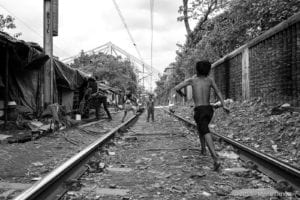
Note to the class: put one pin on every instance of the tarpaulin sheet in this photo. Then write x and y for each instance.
(25, 62)
(67, 99)
(23, 55)
(24, 89)
(68, 77)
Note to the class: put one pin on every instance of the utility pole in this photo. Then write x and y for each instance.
(48, 48)
(50, 30)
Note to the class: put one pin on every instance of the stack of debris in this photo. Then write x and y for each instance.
(25, 127)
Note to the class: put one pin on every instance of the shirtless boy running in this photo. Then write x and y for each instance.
(203, 111)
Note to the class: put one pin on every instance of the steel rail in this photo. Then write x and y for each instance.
(270, 166)
(54, 184)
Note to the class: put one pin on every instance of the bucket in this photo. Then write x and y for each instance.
(78, 117)
(12, 103)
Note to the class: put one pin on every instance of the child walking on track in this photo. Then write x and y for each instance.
(203, 111)
(128, 100)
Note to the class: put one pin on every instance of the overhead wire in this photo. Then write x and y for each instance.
(151, 27)
(24, 23)
(127, 29)
(29, 27)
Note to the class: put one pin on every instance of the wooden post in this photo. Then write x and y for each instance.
(48, 48)
(6, 87)
(245, 74)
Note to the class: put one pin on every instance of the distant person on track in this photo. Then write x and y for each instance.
(150, 108)
(128, 105)
(203, 111)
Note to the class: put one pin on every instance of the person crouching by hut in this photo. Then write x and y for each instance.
(103, 100)
(83, 106)
(94, 98)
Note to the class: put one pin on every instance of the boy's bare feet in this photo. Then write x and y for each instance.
(203, 152)
(226, 109)
(217, 165)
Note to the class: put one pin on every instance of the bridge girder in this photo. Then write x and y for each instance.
(112, 49)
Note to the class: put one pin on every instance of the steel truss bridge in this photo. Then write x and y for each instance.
(147, 75)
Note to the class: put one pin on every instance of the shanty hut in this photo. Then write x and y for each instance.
(20, 73)
(113, 93)
(21, 77)
(70, 83)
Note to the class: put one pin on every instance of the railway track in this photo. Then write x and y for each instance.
(158, 160)
(286, 176)
(55, 184)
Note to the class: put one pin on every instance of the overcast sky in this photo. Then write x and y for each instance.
(84, 25)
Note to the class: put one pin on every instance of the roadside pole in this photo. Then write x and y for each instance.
(47, 96)
(50, 30)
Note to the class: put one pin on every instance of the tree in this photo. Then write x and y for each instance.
(82, 60)
(222, 27)
(245, 20)
(118, 72)
(8, 23)
(185, 18)
(200, 9)
(232, 24)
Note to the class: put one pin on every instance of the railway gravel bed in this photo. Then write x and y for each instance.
(161, 160)
(253, 124)
(26, 163)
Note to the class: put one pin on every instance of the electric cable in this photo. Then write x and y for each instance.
(151, 26)
(127, 29)
(33, 30)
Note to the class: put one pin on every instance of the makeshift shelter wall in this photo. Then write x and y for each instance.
(67, 97)
(24, 63)
(69, 81)
(24, 89)
(25, 70)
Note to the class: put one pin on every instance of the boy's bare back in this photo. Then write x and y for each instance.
(201, 86)
(201, 90)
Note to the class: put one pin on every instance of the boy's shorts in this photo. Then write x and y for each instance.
(203, 116)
